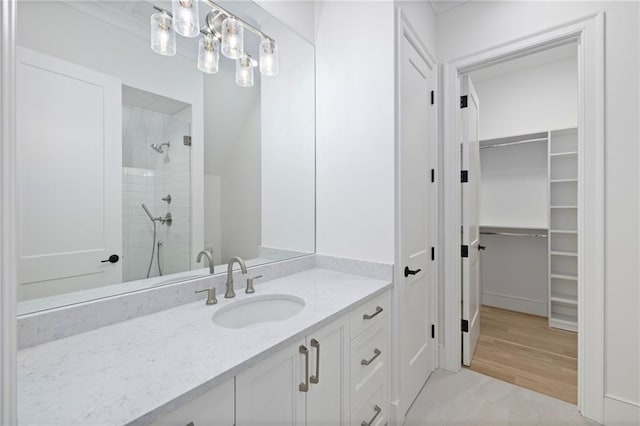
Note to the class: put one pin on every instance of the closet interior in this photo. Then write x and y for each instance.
(529, 221)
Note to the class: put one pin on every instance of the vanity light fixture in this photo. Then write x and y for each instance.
(244, 71)
(186, 17)
(163, 35)
(208, 54)
(222, 32)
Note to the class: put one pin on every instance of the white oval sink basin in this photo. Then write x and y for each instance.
(258, 309)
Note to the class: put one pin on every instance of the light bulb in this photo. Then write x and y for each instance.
(269, 57)
(244, 71)
(186, 17)
(163, 35)
(208, 54)
(232, 38)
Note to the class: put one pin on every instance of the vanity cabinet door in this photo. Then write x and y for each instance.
(269, 392)
(214, 408)
(327, 396)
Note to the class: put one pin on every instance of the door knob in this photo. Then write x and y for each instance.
(112, 259)
(482, 248)
(408, 271)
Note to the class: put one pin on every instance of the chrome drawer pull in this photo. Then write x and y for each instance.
(368, 317)
(304, 387)
(376, 354)
(316, 378)
(378, 410)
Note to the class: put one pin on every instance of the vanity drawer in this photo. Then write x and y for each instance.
(370, 313)
(373, 410)
(369, 360)
(215, 408)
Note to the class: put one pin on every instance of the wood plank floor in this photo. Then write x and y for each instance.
(521, 349)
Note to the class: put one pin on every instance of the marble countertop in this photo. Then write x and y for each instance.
(136, 371)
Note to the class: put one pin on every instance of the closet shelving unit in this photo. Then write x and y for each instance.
(563, 229)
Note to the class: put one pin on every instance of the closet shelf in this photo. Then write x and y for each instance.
(563, 180)
(565, 299)
(563, 231)
(563, 154)
(564, 277)
(564, 253)
(563, 207)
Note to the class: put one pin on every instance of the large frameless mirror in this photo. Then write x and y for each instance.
(139, 148)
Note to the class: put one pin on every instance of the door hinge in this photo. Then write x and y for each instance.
(433, 253)
(433, 98)
(465, 251)
(465, 326)
(463, 101)
(433, 331)
(464, 176)
(186, 140)
(433, 175)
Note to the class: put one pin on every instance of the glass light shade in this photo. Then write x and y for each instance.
(244, 71)
(163, 35)
(186, 17)
(208, 54)
(269, 57)
(232, 38)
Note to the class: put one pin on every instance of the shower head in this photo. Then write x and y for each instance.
(158, 148)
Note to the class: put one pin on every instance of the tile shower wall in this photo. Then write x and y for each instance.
(148, 176)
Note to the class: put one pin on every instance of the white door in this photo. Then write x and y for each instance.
(329, 379)
(269, 393)
(417, 220)
(469, 108)
(69, 175)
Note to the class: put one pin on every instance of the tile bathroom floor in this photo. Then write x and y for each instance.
(467, 397)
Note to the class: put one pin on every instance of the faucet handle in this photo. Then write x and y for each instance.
(250, 288)
(211, 295)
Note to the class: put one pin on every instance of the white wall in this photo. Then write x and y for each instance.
(355, 130)
(297, 15)
(480, 25)
(534, 100)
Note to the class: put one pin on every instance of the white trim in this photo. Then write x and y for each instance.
(8, 242)
(589, 32)
(398, 406)
(620, 411)
(515, 303)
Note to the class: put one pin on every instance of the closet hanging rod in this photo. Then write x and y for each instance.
(498, 145)
(514, 234)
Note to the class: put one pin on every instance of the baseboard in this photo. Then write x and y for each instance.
(513, 303)
(619, 411)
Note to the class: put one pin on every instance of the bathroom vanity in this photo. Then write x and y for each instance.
(328, 363)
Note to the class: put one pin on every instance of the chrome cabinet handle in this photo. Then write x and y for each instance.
(368, 317)
(376, 354)
(378, 410)
(316, 378)
(304, 386)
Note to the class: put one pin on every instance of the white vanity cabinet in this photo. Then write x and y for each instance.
(214, 408)
(303, 384)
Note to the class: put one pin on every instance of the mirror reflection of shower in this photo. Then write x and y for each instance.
(166, 220)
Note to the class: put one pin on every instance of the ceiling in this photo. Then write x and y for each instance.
(442, 6)
(548, 56)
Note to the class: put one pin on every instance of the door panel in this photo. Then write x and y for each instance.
(470, 218)
(69, 174)
(417, 218)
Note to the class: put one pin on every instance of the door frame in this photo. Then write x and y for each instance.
(405, 29)
(8, 218)
(589, 33)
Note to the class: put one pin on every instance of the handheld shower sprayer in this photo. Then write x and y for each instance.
(148, 212)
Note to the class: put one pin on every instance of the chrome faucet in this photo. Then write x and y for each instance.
(209, 259)
(230, 293)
